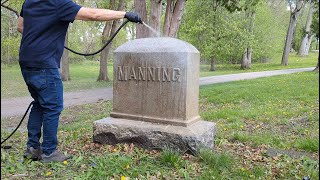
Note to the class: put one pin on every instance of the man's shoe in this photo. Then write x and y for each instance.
(56, 156)
(32, 153)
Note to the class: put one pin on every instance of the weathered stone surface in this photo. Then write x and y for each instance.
(156, 80)
(155, 136)
(155, 97)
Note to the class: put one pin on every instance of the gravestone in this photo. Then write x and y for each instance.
(155, 97)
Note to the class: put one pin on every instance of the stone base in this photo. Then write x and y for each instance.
(153, 119)
(155, 136)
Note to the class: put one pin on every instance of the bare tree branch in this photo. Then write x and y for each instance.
(302, 5)
(291, 7)
(4, 2)
(10, 9)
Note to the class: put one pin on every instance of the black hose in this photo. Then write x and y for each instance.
(8, 147)
(109, 41)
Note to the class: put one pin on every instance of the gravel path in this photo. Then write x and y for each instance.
(17, 106)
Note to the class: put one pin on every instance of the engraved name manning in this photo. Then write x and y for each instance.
(126, 73)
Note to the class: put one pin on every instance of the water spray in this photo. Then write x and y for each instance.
(153, 30)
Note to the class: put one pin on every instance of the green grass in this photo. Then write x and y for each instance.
(280, 112)
(295, 61)
(308, 144)
(261, 110)
(171, 158)
(84, 74)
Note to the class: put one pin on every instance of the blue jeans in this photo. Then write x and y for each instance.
(46, 88)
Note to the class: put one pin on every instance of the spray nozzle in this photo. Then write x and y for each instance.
(133, 17)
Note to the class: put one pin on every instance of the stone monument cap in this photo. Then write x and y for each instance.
(159, 44)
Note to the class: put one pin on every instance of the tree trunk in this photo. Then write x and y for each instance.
(103, 73)
(64, 63)
(303, 46)
(292, 25)
(247, 56)
(306, 41)
(309, 43)
(155, 16)
(317, 67)
(176, 17)
(246, 59)
(213, 64)
(289, 38)
(141, 8)
(168, 17)
(173, 17)
(174, 12)
(8, 46)
(108, 31)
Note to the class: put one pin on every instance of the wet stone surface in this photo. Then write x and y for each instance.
(156, 85)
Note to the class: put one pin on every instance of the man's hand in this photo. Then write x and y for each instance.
(20, 24)
(133, 17)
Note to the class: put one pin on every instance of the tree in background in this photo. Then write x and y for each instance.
(250, 13)
(108, 30)
(174, 10)
(64, 63)
(224, 31)
(10, 37)
(221, 31)
(12, 6)
(217, 33)
(308, 35)
(269, 30)
(315, 29)
(295, 7)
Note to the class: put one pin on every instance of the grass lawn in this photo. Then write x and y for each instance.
(84, 74)
(253, 117)
(295, 61)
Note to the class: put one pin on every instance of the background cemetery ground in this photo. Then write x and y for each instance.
(254, 118)
(84, 73)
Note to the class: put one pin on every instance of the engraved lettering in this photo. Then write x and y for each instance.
(141, 75)
(158, 69)
(159, 74)
(165, 76)
(132, 74)
(152, 74)
(120, 74)
(176, 75)
(125, 73)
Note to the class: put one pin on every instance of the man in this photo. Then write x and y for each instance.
(43, 24)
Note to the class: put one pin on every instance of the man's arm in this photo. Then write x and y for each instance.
(91, 14)
(20, 24)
